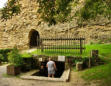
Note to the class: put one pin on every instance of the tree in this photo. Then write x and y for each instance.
(53, 11)
(12, 8)
(94, 8)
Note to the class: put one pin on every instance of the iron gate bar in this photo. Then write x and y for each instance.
(62, 39)
(60, 48)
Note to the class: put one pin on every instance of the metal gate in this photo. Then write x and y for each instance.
(61, 46)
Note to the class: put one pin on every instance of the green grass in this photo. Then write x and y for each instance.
(104, 51)
(102, 73)
(26, 55)
(97, 72)
(53, 52)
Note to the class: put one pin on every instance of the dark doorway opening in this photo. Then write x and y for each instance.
(34, 39)
(43, 72)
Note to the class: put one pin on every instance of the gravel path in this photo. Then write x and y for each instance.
(2, 70)
(75, 80)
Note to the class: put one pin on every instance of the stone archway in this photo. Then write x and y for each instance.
(34, 38)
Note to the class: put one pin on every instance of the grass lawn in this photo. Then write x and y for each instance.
(104, 50)
(26, 55)
(102, 72)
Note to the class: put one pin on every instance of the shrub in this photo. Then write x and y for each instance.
(15, 58)
(78, 60)
(84, 60)
(1, 57)
(4, 53)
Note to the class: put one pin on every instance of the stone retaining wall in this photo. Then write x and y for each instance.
(16, 31)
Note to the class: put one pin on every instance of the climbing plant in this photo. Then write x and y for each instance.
(54, 11)
(12, 8)
(94, 8)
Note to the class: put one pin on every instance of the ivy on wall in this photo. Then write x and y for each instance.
(12, 8)
(94, 8)
(54, 11)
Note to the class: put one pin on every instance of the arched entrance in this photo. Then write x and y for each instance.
(34, 39)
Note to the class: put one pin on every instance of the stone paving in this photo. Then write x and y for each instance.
(75, 80)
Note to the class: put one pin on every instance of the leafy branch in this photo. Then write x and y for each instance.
(54, 11)
(12, 8)
(93, 9)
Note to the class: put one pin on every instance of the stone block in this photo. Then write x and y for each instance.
(79, 66)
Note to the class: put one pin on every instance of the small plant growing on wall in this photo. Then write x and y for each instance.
(12, 8)
(15, 61)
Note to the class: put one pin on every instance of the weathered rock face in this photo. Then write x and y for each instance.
(18, 30)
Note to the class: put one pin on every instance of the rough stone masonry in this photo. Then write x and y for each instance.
(19, 30)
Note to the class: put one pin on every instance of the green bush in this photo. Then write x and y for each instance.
(15, 58)
(1, 57)
(4, 53)
(84, 60)
(78, 60)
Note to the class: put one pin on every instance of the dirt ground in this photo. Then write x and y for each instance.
(75, 80)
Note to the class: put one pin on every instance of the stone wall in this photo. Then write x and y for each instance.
(16, 31)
